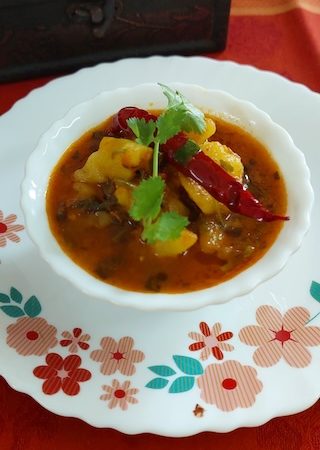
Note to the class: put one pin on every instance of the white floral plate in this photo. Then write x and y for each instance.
(175, 374)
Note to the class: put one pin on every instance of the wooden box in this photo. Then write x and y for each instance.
(39, 37)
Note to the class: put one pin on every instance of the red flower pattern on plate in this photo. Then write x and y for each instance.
(8, 229)
(210, 341)
(62, 373)
(229, 385)
(117, 356)
(277, 336)
(31, 336)
(74, 340)
(119, 394)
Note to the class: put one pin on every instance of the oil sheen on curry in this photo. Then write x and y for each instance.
(154, 211)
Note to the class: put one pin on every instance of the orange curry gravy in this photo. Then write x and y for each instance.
(117, 255)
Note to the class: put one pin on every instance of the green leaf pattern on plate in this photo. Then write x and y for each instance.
(15, 295)
(4, 298)
(315, 293)
(157, 383)
(12, 311)
(162, 371)
(31, 308)
(182, 384)
(315, 290)
(188, 366)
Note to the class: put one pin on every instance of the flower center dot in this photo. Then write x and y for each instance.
(211, 341)
(3, 227)
(32, 335)
(119, 393)
(62, 373)
(118, 356)
(229, 384)
(283, 335)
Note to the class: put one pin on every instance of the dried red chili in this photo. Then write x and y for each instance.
(215, 180)
(119, 122)
(174, 143)
(222, 186)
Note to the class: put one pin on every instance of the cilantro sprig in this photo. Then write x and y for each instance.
(168, 226)
(147, 199)
(180, 115)
(143, 130)
(186, 152)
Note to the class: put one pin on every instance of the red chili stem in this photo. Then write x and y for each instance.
(223, 187)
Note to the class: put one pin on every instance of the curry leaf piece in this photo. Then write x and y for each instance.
(315, 290)
(4, 298)
(32, 307)
(186, 152)
(143, 130)
(12, 311)
(192, 119)
(147, 199)
(181, 384)
(187, 365)
(15, 295)
(157, 383)
(162, 371)
(167, 227)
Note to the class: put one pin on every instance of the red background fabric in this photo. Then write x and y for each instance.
(268, 34)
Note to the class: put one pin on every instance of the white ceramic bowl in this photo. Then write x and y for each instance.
(81, 118)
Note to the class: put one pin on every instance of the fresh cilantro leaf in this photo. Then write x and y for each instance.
(143, 130)
(168, 125)
(147, 199)
(186, 152)
(168, 226)
(174, 98)
(190, 118)
(180, 115)
(193, 121)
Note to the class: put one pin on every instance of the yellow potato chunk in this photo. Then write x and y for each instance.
(115, 158)
(225, 157)
(199, 195)
(173, 203)
(229, 161)
(210, 236)
(124, 196)
(84, 190)
(200, 138)
(101, 219)
(177, 246)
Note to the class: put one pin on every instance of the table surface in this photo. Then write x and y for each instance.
(278, 35)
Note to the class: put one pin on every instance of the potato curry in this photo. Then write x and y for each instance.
(166, 201)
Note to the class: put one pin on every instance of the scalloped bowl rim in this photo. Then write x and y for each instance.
(82, 117)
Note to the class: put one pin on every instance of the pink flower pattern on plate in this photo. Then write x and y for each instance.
(75, 340)
(31, 336)
(117, 356)
(277, 336)
(119, 394)
(8, 229)
(229, 385)
(210, 341)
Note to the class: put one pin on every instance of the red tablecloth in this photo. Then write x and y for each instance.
(278, 35)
